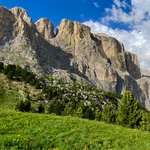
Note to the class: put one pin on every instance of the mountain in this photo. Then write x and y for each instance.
(71, 53)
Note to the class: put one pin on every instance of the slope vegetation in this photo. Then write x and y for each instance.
(40, 131)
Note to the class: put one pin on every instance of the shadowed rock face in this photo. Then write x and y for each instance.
(73, 53)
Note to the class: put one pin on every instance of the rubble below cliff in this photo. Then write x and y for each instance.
(72, 53)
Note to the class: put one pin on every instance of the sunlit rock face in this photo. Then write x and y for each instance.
(46, 28)
(72, 53)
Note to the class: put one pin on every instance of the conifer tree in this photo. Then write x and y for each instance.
(128, 111)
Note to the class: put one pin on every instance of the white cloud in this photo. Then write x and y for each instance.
(96, 4)
(140, 10)
(120, 4)
(137, 40)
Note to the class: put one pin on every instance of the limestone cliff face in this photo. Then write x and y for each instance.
(6, 18)
(23, 14)
(46, 28)
(144, 84)
(132, 65)
(72, 53)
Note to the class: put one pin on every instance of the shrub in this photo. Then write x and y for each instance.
(18, 71)
(10, 68)
(41, 108)
(98, 114)
(109, 113)
(56, 106)
(24, 74)
(145, 121)
(10, 75)
(69, 109)
(89, 113)
(24, 106)
(128, 111)
(2, 91)
(37, 84)
(1, 66)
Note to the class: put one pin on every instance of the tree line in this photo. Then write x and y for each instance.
(80, 100)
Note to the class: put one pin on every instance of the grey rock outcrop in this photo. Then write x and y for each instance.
(144, 85)
(22, 13)
(46, 28)
(133, 65)
(73, 53)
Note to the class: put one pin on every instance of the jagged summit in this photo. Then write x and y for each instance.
(45, 27)
(22, 13)
(73, 27)
(2, 7)
(73, 53)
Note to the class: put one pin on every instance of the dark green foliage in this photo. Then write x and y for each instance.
(85, 110)
(1, 66)
(33, 82)
(10, 75)
(69, 109)
(37, 84)
(109, 113)
(145, 121)
(10, 71)
(18, 71)
(41, 108)
(24, 74)
(29, 78)
(89, 113)
(56, 107)
(2, 91)
(98, 114)
(24, 106)
(10, 68)
(112, 96)
(128, 111)
(28, 97)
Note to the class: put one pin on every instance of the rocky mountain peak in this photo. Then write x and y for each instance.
(6, 21)
(68, 27)
(22, 13)
(46, 28)
(2, 7)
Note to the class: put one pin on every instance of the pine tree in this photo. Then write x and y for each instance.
(109, 113)
(128, 111)
(145, 121)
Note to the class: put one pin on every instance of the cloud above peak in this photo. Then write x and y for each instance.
(121, 11)
(120, 4)
(136, 16)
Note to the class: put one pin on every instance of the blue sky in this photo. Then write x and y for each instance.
(55, 10)
(126, 20)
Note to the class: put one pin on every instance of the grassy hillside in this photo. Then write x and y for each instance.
(12, 92)
(40, 131)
